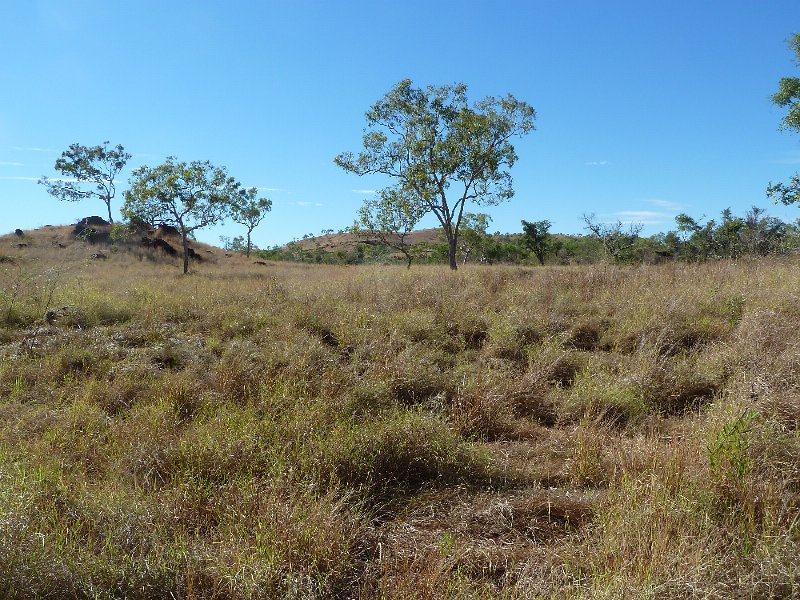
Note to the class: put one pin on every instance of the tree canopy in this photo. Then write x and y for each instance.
(187, 196)
(96, 166)
(536, 238)
(441, 151)
(788, 96)
(390, 216)
(249, 211)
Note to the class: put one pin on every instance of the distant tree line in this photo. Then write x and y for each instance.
(692, 240)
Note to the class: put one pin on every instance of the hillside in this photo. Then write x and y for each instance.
(91, 239)
(342, 241)
(287, 430)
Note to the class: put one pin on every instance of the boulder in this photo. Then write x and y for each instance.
(94, 230)
(195, 255)
(167, 230)
(19, 233)
(93, 221)
(159, 244)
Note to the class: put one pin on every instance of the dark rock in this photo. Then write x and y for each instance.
(97, 237)
(165, 246)
(260, 262)
(22, 245)
(159, 244)
(19, 233)
(195, 255)
(99, 256)
(167, 230)
(94, 221)
(94, 230)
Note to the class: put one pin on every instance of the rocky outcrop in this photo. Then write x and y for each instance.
(94, 230)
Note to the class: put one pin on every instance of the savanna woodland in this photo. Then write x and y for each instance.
(519, 415)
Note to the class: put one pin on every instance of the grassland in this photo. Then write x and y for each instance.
(296, 431)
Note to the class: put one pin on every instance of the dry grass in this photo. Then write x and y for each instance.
(297, 431)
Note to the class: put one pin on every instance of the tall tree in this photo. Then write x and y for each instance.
(390, 217)
(536, 238)
(186, 196)
(96, 166)
(249, 211)
(788, 95)
(442, 151)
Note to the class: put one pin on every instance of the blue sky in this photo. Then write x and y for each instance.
(644, 109)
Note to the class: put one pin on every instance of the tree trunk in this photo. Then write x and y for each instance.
(408, 259)
(248, 243)
(451, 250)
(185, 242)
(108, 206)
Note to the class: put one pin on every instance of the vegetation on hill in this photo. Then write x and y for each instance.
(291, 430)
(693, 240)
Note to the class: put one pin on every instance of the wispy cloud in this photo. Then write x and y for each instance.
(644, 217)
(363, 191)
(21, 178)
(304, 203)
(32, 149)
(269, 189)
(597, 163)
(668, 204)
(8, 163)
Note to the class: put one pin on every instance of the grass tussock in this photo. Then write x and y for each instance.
(302, 431)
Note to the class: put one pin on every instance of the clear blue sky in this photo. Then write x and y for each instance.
(645, 109)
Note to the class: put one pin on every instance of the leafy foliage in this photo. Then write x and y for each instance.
(616, 239)
(187, 196)
(441, 151)
(97, 166)
(390, 217)
(474, 237)
(788, 96)
(536, 238)
(249, 211)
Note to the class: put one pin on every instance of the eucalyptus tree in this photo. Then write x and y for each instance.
(390, 217)
(90, 173)
(788, 96)
(249, 211)
(186, 196)
(441, 151)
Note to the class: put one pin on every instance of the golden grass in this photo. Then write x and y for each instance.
(257, 431)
